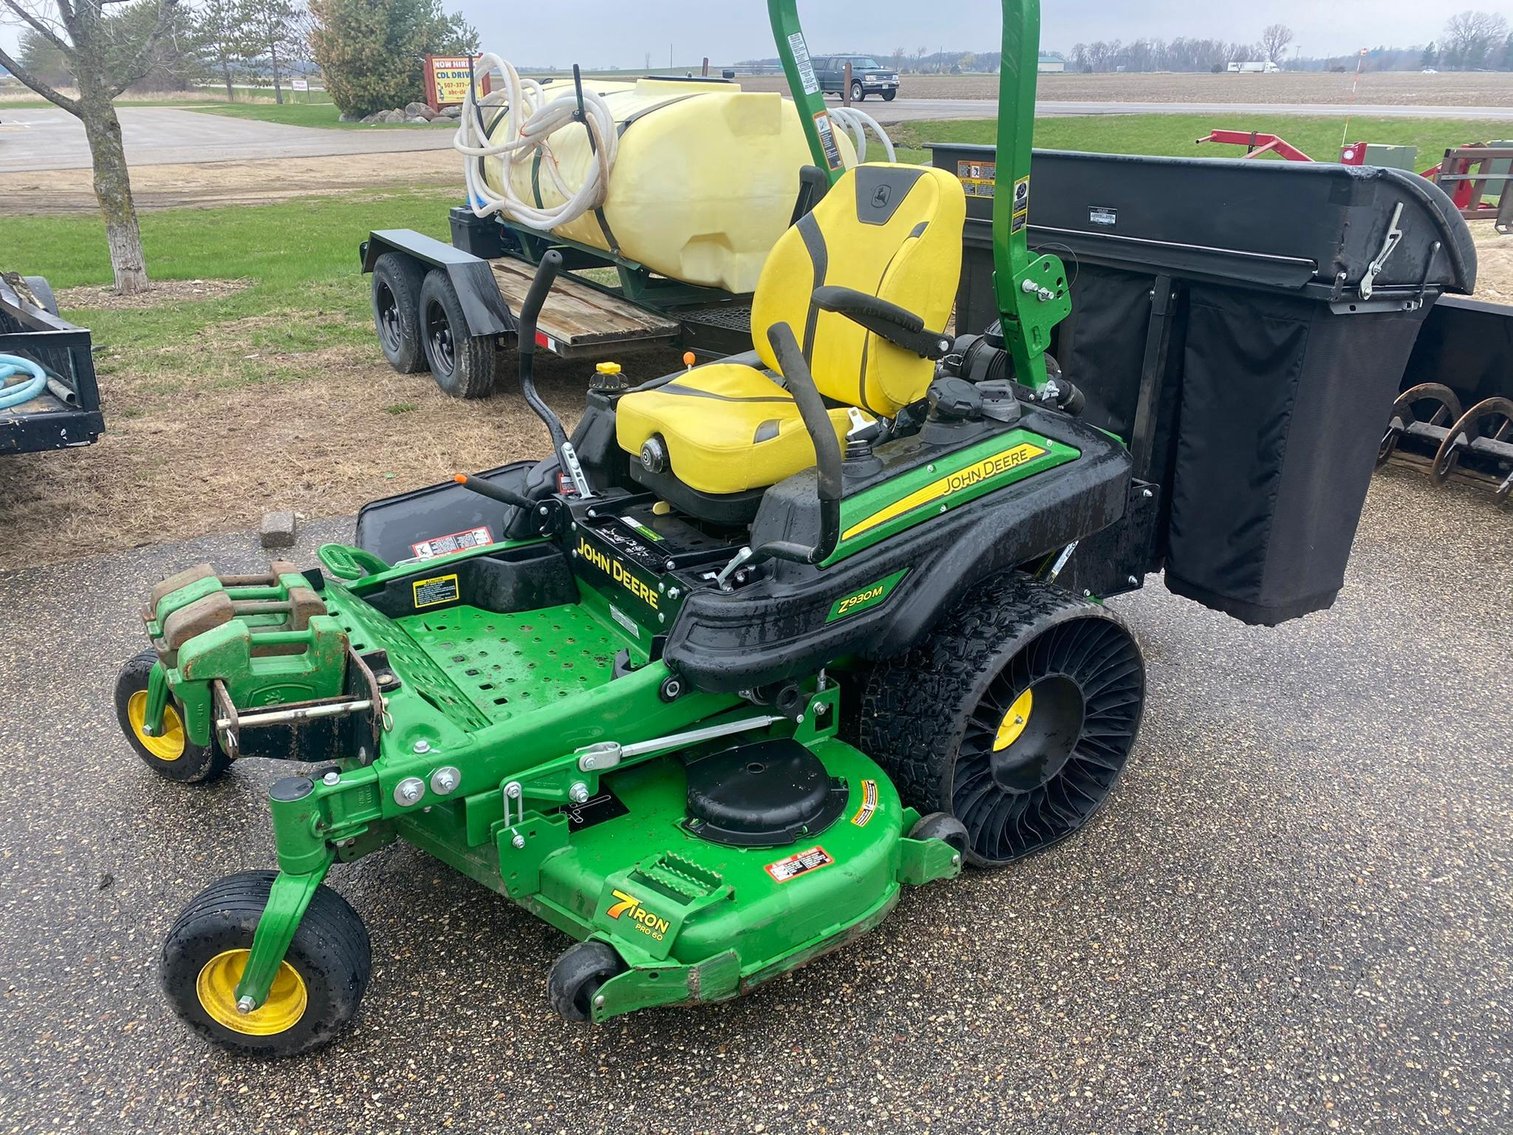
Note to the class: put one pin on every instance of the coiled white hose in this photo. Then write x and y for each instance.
(529, 120)
(857, 123)
(528, 123)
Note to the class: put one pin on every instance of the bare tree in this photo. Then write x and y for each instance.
(277, 29)
(105, 58)
(1470, 38)
(1274, 41)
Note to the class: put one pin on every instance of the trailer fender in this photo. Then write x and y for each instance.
(482, 305)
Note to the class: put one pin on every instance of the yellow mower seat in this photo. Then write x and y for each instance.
(728, 428)
(890, 231)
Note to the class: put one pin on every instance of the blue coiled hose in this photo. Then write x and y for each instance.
(26, 391)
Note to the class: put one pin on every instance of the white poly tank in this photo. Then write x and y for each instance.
(704, 183)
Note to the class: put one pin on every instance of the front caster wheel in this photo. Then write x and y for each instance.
(170, 754)
(576, 976)
(939, 825)
(1016, 715)
(315, 994)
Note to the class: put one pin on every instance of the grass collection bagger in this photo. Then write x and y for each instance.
(761, 643)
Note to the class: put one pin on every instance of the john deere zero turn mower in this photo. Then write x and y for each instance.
(763, 642)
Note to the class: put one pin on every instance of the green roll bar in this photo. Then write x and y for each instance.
(1031, 288)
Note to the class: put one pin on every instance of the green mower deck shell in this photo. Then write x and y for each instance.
(690, 901)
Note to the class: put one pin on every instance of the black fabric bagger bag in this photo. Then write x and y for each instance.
(1272, 463)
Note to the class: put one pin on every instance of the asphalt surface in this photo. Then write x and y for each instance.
(53, 139)
(50, 139)
(1294, 915)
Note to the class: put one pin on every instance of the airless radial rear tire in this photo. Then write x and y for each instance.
(1016, 715)
(170, 754)
(396, 311)
(317, 989)
(462, 364)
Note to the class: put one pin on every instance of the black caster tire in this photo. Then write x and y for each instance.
(889, 96)
(319, 986)
(941, 826)
(396, 311)
(576, 976)
(462, 364)
(1015, 715)
(172, 756)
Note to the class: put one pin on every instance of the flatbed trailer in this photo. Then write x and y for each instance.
(66, 413)
(601, 306)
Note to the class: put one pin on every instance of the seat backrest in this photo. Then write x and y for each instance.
(892, 231)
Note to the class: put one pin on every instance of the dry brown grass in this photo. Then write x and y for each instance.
(1494, 255)
(105, 298)
(211, 184)
(1397, 88)
(324, 432)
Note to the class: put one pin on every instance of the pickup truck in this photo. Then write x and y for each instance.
(65, 411)
(868, 77)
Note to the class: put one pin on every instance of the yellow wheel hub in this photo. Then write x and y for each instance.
(168, 745)
(1014, 721)
(216, 987)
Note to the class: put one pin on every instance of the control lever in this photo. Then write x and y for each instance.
(530, 311)
(494, 492)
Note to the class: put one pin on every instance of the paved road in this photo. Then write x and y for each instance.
(1294, 915)
(50, 139)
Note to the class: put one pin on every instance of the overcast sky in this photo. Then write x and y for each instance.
(602, 33)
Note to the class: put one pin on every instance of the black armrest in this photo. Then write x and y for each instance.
(896, 324)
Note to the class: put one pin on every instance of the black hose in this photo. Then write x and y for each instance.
(827, 452)
(530, 310)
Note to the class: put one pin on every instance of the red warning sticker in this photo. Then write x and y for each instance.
(802, 863)
(452, 543)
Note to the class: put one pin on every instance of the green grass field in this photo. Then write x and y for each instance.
(1172, 135)
(301, 257)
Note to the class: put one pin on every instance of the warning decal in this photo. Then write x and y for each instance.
(791, 868)
(434, 591)
(453, 542)
(805, 65)
(828, 143)
(978, 179)
(868, 809)
(1021, 204)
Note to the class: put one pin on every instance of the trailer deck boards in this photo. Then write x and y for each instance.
(579, 320)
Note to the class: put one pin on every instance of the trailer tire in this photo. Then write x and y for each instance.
(396, 311)
(462, 364)
(43, 291)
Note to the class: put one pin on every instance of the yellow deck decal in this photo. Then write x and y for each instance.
(943, 487)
